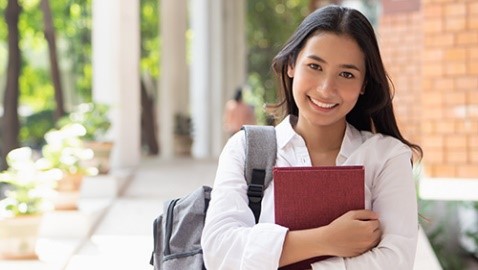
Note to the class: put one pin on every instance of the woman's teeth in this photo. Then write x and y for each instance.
(323, 105)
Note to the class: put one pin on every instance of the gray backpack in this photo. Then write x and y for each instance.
(177, 232)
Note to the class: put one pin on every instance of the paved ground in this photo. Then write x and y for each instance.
(122, 238)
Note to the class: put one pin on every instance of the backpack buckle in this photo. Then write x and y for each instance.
(255, 192)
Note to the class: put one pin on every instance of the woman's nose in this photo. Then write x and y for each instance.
(326, 86)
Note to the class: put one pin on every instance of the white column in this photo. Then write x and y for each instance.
(235, 58)
(105, 50)
(116, 81)
(217, 68)
(200, 76)
(173, 96)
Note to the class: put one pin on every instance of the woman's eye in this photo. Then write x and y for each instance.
(315, 66)
(347, 75)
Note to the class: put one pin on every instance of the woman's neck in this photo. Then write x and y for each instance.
(322, 141)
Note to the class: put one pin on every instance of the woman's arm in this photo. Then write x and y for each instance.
(394, 199)
(231, 239)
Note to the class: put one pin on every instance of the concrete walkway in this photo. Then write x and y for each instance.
(121, 236)
(124, 238)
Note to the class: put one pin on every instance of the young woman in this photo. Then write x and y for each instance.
(338, 111)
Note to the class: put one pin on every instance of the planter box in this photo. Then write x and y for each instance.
(102, 151)
(18, 237)
(74, 224)
(53, 254)
(65, 200)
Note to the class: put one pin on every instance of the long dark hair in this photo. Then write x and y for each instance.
(374, 109)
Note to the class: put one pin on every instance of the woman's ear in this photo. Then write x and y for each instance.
(290, 71)
(363, 88)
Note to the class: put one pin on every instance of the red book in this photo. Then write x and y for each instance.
(310, 197)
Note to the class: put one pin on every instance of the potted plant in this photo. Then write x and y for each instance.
(23, 203)
(182, 134)
(64, 150)
(94, 117)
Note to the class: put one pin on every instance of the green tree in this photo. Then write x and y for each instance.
(269, 25)
(72, 20)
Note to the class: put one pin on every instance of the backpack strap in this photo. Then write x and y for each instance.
(261, 154)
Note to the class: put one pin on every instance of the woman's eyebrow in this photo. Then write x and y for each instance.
(320, 60)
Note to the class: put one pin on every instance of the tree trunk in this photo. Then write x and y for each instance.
(148, 127)
(11, 123)
(55, 70)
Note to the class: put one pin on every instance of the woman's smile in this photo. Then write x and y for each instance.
(323, 106)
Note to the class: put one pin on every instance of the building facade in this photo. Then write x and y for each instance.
(430, 49)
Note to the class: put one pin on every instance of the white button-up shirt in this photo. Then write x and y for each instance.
(232, 240)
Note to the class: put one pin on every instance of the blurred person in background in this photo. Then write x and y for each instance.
(237, 113)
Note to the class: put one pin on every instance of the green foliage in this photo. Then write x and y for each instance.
(36, 90)
(37, 96)
(3, 25)
(257, 98)
(441, 230)
(31, 19)
(264, 18)
(35, 126)
(73, 21)
(92, 116)
(28, 183)
(150, 48)
(64, 150)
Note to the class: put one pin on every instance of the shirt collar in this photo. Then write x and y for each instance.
(285, 131)
(352, 138)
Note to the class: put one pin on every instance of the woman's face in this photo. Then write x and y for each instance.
(328, 77)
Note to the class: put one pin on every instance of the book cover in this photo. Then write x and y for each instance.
(310, 197)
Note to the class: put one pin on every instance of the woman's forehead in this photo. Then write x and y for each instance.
(334, 48)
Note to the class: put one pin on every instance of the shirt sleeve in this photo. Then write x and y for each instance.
(394, 198)
(231, 239)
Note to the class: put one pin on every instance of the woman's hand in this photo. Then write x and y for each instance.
(353, 233)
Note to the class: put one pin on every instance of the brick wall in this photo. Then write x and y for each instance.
(432, 57)
(400, 42)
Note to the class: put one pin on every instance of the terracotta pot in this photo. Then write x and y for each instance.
(182, 145)
(102, 151)
(70, 182)
(67, 192)
(65, 200)
(18, 237)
